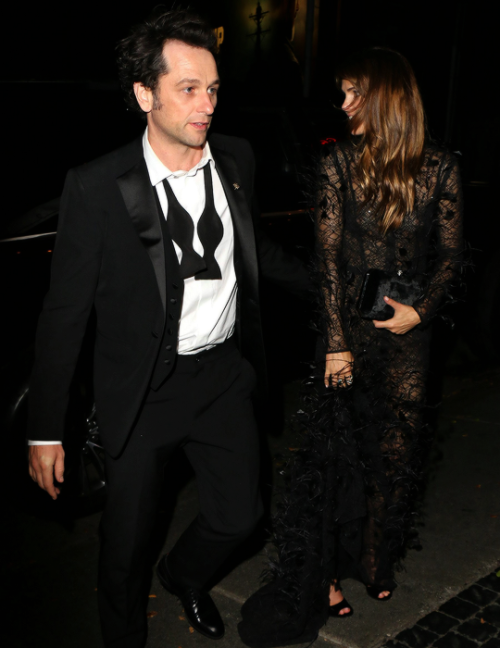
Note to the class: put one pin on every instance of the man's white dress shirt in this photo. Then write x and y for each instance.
(209, 305)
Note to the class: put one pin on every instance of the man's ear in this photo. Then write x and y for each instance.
(144, 97)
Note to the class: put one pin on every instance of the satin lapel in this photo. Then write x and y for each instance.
(138, 194)
(240, 212)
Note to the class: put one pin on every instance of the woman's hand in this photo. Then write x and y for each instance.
(404, 318)
(338, 370)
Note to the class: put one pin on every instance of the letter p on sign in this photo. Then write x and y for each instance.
(219, 32)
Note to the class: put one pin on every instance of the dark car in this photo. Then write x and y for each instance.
(25, 255)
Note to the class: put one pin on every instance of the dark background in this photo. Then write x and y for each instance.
(60, 104)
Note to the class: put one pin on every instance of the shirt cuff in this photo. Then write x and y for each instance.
(30, 442)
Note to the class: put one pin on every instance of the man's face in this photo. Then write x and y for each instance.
(181, 109)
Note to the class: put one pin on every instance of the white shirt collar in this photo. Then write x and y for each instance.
(158, 171)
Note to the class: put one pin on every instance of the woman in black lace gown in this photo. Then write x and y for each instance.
(386, 200)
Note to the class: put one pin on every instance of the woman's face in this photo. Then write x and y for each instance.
(352, 100)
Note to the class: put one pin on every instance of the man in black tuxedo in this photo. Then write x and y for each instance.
(158, 238)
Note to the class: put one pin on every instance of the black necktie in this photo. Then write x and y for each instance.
(210, 231)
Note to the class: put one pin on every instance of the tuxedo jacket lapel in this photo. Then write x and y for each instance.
(249, 326)
(139, 197)
(138, 194)
(242, 218)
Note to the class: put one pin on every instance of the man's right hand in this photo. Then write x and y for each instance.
(45, 463)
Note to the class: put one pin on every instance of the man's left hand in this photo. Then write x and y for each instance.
(404, 318)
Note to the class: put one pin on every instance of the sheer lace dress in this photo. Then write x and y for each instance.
(349, 506)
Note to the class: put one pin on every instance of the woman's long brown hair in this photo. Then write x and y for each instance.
(392, 144)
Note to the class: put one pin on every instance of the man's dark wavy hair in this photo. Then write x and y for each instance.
(140, 55)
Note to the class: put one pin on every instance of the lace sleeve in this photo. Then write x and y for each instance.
(448, 261)
(331, 188)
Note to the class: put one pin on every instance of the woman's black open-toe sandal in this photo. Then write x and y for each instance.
(334, 610)
(375, 590)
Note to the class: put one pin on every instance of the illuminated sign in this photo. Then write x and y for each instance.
(219, 33)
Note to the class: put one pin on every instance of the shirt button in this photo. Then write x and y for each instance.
(166, 361)
(168, 348)
(173, 301)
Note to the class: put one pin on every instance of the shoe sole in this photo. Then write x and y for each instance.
(332, 610)
(374, 595)
(341, 616)
(168, 586)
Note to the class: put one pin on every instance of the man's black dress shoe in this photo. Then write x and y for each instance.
(199, 607)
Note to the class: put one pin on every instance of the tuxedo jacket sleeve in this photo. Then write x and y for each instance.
(67, 306)
(108, 257)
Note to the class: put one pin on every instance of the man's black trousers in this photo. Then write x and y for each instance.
(205, 406)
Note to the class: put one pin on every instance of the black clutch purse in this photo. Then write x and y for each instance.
(377, 284)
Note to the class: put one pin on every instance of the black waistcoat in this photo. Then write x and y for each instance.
(175, 291)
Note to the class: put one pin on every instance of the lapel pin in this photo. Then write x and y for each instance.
(236, 185)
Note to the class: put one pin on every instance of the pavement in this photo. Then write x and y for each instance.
(448, 594)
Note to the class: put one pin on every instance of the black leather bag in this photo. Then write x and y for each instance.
(377, 284)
